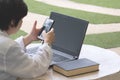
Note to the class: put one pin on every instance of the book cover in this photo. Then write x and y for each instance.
(76, 67)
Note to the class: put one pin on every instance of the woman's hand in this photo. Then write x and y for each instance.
(34, 33)
(49, 36)
(32, 36)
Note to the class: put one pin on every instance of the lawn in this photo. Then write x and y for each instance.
(104, 3)
(18, 34)
(95, 18)
(105, 40)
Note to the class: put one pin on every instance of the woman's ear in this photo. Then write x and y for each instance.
(12, 23)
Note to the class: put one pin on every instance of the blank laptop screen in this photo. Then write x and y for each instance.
(69, 33)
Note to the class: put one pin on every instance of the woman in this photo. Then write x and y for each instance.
(14, 61)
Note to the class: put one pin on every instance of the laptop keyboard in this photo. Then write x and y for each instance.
(32, 50)
(58, 58)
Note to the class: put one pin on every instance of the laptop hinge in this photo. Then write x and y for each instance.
(75, 57)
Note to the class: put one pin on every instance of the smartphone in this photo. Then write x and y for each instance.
(47, 25)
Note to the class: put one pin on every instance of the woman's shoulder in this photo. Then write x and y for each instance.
(6, 43)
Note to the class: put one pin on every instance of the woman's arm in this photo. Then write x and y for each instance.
(23, 65)
(32, 36)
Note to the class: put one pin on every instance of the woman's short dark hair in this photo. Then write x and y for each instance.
(11, 10)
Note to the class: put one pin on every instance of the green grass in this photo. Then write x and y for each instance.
(105, 40)
(18, 34)
(104, 3)
(95, 18)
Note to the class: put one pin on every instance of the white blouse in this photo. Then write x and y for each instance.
(15, 62)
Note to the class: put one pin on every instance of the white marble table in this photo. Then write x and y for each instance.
(109, 65)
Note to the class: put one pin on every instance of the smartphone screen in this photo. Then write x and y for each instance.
(46, 26)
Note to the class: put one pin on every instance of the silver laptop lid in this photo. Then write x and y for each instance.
(69, 33)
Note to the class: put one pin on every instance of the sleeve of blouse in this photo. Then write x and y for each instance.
(20, 42)
(23, 65)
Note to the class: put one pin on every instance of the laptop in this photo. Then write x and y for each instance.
(69, 36)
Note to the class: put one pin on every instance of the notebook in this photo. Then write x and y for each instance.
(69, 36)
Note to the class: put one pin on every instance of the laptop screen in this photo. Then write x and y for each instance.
(69, 33)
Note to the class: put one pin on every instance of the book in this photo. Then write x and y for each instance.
(76, 67)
